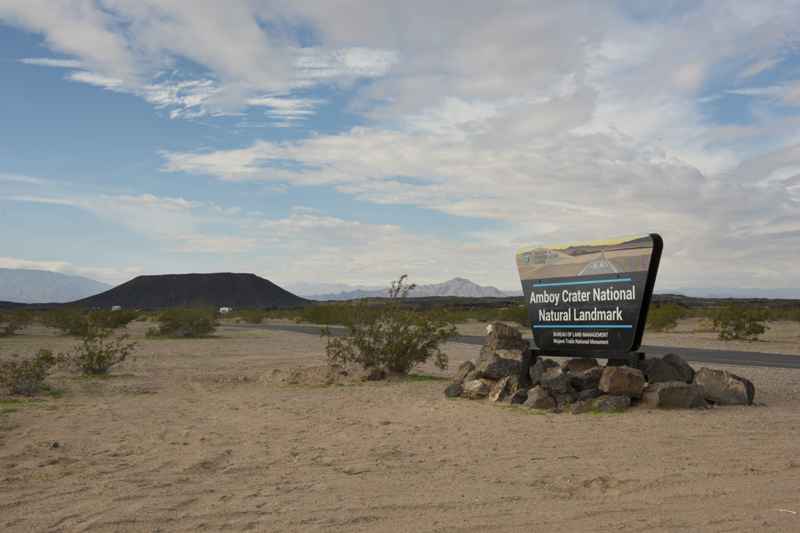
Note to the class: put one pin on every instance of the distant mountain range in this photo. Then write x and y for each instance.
(737, 292)
(42, 286)
(457, 287)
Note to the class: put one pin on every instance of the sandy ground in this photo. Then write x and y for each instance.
(196, 435)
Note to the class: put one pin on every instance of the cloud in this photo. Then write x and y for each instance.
(757, 67)
(51, 62)
(219, 60)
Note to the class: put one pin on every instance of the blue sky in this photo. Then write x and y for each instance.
(353, 143)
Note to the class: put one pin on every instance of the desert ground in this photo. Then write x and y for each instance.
(210, 435)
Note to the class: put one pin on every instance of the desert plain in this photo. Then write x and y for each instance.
(215, 434)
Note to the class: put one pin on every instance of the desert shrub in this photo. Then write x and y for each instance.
(97, 352)
(185, 322)
(390, 336)
(251, 316)
(740, 322)
(13, 321)
(25, 376)
(78, 322)
(665, 317)
(71, 321)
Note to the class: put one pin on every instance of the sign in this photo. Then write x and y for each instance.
(590, 298)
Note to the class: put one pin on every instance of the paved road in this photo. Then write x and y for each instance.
(699, 355)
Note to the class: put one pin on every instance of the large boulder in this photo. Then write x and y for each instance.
(539, 398)
(723, 388)
(659, 371)
(539, 367)
(671, 367)
(463, 371)
(685, 371)
(673, 395)
(579, 364)
(501, 336)
(588, 379)
(476, 389)
(622, 381)
(453, 390)
(611, 404)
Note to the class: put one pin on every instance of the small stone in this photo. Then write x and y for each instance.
(453, 390)
(579, 364)
(55, 444)
(463, 371)
(564, 399)
(538, 398)
(476, 389)
(673, 395)
(622, 381)
(611, 404)
(723, 388)
(539, 367)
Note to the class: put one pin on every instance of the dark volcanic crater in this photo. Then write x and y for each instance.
(195, 290)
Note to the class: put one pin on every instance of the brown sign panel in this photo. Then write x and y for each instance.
(590, 298)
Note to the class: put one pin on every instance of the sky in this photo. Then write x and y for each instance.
(349, 142)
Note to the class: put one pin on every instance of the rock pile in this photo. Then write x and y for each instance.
(581, 385)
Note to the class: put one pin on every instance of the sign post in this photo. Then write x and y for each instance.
(590, 299)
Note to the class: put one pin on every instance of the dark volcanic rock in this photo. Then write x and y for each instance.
(195, 290)
(539, 367)
(454, 390)
(589, 394)
(622, 381)
(588, 379)
(556, 381)
(463, 371)
(611, 404)
(723, 388)
(538, 398)
(476, 389)
(502, 389)
(659, 371)
(501, 336)
(579, 364)
(492, 366)
(519, 397)
(685, 371)
(673, 395)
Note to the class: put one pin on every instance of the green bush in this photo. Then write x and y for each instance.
(78, 322)
(185, 322)
(98, 352)
(390, 336)
(26, 376)
(70, 320)
(13, 321)
(665, 317)
(740, 322)
(251, 316)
